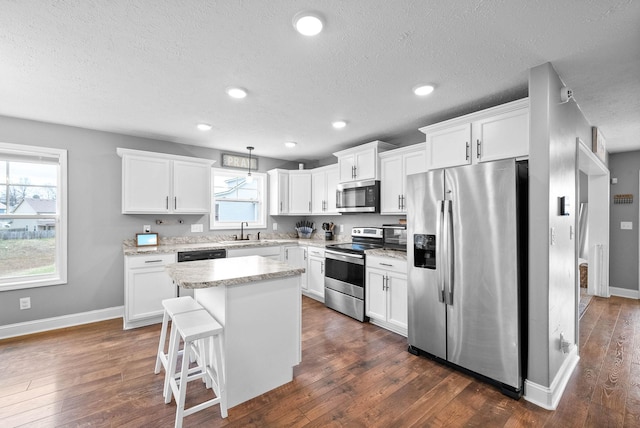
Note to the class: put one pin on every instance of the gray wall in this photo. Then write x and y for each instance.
(552, 168)
(96, 226)
(623, 253)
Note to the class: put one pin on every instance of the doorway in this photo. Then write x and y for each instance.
(592, 226)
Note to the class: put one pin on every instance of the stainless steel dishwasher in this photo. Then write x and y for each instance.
(192, 256)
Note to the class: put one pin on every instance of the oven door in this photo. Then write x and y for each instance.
(344, 272)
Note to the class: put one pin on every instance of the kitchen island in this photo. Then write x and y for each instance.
(258, 302)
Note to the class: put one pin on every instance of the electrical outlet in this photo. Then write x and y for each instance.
(342, 228)
(197, 228)
(25, 303)
(275, 226)
(146, 228)
(626, 225)
(553, 236)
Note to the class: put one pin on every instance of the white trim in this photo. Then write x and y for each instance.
(624, 292)
(549, 397)
(37, 326)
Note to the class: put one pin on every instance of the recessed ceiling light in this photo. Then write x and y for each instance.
(307, 24)
(290, 144)
(237, 92)
(423, 90)
(339, 124)
(204, 126)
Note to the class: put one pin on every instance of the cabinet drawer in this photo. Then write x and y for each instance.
(150, 261)
(316, 252)
(387, 263)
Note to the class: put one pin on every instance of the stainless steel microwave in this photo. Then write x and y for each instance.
(358, 197)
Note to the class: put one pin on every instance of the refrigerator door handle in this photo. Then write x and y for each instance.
(448, 253)
(440, 267)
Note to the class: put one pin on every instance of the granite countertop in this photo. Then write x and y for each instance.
(177, 245)
(381, 252)
(236, 270)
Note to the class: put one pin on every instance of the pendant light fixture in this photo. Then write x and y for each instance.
(249, 176)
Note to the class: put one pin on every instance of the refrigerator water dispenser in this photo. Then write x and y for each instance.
(424, 251)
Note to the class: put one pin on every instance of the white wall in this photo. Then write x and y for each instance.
(552, 167)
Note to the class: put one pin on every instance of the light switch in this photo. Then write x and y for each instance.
(626, 225)
(196, 228)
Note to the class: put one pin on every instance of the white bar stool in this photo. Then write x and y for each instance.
(201, 334)
(172, 307)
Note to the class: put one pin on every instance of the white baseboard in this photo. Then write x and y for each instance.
(624, 292)
(549, 397)
(37, 326)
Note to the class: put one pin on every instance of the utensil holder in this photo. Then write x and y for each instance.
(328, 235)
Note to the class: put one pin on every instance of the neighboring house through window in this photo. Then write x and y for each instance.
(33, 225)
(236, 199)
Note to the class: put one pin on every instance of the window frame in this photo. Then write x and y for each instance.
(262, 192)
(61, 217)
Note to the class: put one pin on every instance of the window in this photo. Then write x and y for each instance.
(33, 225)
(236, 199)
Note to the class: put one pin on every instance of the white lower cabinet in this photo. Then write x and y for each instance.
(386, 293)
(315, 274)
(146, 284)
(296, 256)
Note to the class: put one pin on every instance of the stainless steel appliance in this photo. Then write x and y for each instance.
(344, 273)
(192, 256)
(467, 258)
(358, 197)
(395, 236)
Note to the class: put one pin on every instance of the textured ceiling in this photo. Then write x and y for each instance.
(155, 68)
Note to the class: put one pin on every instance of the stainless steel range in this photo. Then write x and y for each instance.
(344, 275)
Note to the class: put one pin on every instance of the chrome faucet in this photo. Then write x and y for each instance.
(242, 224)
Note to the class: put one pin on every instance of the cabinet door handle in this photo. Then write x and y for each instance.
(478, 144)
(153, 261)
(322, 267)
(467, 151)
(305, 254)
(286, 254)
(387, 281)
(167, 202)
(175, 202)
(280, 206)
(404, 204)
(385, 264)
(383, 279)
(399, 202)
(355, 172)
(309, 206)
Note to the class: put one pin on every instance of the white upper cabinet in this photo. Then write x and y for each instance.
(191, 187)
(503, 136)
(361, 163)
(324, 181)
(159, 183)
(278, 192)
(395, 165)
(499, 132)
(300, 192)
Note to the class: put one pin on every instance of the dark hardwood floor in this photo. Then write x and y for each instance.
(352, 374)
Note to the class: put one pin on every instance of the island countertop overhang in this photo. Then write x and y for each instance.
(231, 271)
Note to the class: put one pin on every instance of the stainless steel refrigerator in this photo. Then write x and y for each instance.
(467, 261)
